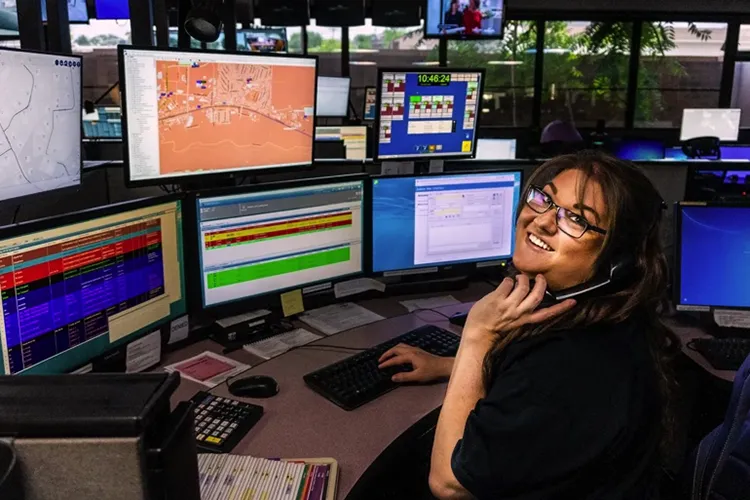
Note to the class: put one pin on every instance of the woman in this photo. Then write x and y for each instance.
(453, 16)
(472, 18)
(567, 401)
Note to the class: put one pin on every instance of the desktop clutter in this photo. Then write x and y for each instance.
(94, 301)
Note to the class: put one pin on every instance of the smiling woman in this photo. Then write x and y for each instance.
(562, 401)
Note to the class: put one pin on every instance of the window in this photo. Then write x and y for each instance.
(371, 47)
(585, 72)
(97, 42)
(509, 87)
(325, 42)
(680, 67)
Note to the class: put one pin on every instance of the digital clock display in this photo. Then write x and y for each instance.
(434, 79)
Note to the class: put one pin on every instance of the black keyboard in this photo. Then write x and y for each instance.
(357, 380)
(723, 354)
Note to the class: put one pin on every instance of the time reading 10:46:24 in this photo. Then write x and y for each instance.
(434, 79)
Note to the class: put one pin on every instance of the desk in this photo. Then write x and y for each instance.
(688, 333)
(300, 423)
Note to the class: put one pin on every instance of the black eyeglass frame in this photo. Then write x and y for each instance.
(587, 225)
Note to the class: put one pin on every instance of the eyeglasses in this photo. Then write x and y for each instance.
(568, 222)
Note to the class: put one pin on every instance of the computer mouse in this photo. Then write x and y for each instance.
(254, 386)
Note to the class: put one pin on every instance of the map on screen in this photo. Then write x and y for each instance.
(213, 115)
(40, 123)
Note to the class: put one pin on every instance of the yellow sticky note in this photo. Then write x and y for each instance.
(291, 303)
(466, 146)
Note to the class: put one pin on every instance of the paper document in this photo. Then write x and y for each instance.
(179, 329)
(360, 285)
(279, 344)
(339, 317)
(732, 318)
(233, 320)
(429, 303)
(208, 368)
(143, 353)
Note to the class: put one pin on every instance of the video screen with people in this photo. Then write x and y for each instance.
(465, 18)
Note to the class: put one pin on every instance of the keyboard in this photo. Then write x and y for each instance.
(221, 423)
(723, 354)
(357, 380)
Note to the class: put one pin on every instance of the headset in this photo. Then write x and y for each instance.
(621, 270)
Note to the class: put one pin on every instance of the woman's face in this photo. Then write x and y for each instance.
(566, 261)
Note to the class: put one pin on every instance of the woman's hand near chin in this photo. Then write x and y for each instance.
(511, 305)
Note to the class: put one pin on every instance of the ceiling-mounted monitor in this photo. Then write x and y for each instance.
(465, 19)
(284, 12)
(112, 9)
(339, 12)
(396, 13)
(721, 123)
(78, 11)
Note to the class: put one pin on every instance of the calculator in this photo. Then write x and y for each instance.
(220, 423)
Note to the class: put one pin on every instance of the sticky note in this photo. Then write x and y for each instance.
(291, 303)
(466, 147)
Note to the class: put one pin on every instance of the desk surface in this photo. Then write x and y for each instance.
(300, 423)
(688, 333)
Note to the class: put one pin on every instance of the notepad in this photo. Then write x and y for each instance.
(237, 476)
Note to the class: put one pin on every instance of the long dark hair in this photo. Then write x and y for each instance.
(633, 220)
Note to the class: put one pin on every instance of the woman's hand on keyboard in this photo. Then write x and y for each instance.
(426, 367)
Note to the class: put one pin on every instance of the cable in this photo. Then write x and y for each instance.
(15, 214)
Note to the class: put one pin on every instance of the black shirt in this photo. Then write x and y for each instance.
(569, 415)
(451, 19)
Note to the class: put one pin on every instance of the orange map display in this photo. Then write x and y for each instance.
(215, 116)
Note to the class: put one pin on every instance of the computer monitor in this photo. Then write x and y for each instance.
(195, 114)
(78, 11)
(74, 287)
(8, 18)
(371, 104)
(721, 123)
(737, 152)
(104, 123)
(496, 149)
(675, 153)
(712, 270)
(354, 139)
(40, 115)
(425, 223)
(428, 114)
(254, 243)
(333, 97)
(338, 13)
(112, 9)
(737, 177)
(465, 19)
(638, 149)
(262, 40)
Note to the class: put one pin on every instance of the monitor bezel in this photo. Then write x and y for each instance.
(499, 36)
(269, 299)
(213, 177)
(417, 157)
(443, 270)
(677, 254)
(364, 104)
(72, 188)
(89, 214)
(348, 96)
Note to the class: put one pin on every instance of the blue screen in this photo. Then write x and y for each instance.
(426, 115)
(674, 154)
(735, 152)
(715, 269)
(112, 9)
(635, 150)
(447, 219)
(77, 11)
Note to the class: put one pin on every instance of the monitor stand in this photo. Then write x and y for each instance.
(419, 167)
(423, 284)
